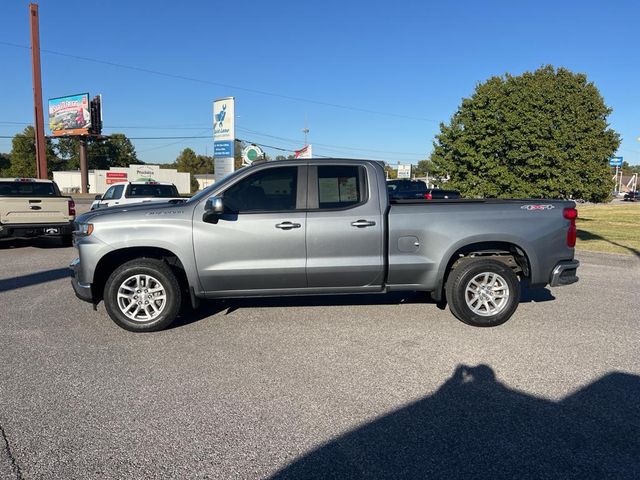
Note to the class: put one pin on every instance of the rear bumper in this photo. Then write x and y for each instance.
(82, 290)
(564, 273)
(35, 229)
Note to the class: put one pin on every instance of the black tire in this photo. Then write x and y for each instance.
(160, 272)
(66, 240)
(456, 291)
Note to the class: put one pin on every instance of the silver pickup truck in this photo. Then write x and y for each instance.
(319, 227)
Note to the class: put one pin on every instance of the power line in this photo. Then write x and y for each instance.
(224, 85)
(329, 146)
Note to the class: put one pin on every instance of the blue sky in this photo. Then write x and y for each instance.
(408, 64)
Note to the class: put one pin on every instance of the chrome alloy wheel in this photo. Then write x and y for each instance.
(487, 294)
(141, 298)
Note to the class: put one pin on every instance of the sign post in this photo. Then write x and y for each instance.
(224, 134)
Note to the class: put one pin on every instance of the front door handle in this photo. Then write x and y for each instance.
(287, 225)
(363, 223)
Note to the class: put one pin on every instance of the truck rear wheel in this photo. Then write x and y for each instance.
(142, 295)
(483, 292)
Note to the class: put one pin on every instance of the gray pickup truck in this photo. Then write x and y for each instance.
(319, 227)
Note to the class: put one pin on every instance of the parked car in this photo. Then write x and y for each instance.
(403, 189)
(301, 227)
(631, 196)
(438, 194)
(126, 193)
(31, 207)
(406, 189)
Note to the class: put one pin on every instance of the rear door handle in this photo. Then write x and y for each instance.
(363, 223)
(287, 225)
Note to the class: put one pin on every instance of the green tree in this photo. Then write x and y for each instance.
(391, 172)
(23, 155)
(422, 168)
(189, 162)
(115, 151)
(539, 134)
(5, 163)
(629, 169)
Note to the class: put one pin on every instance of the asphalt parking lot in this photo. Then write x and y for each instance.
(339, 387)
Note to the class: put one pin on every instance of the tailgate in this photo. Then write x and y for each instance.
(25, 210)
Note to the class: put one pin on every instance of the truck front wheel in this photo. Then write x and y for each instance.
(142, 295)
(483, 292)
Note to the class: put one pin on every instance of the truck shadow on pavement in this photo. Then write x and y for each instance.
(30, 279)
(228, 306)
(476, 427)
(37, 242)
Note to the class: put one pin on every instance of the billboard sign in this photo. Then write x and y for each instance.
(70, 115)
(615, 162)
(404, 171)
(224, 134)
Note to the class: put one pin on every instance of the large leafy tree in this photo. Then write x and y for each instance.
(539, 134)
(188, 161)
(115, 151)
(23, 155)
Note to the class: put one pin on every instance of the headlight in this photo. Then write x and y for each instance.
(83, 229)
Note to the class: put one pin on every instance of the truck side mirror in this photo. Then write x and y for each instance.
(214, 205)
(212, 208)
(98, 197)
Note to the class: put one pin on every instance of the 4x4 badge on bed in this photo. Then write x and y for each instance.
(537, 207)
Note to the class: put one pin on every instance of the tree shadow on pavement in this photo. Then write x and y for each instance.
(586, 236)
(476, 427)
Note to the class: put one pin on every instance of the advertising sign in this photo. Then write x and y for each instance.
(404, 171)
(251, 153)
(70, 115)
(115, 177)
(224, 134)
(304, 152)
(615, 162)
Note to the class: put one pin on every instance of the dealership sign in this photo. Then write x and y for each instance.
(404, 171)
(70, 115)
(251, 153)
(615, 161)
(224, 134)
(115, 177)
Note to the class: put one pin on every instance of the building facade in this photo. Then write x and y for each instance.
(99, 180)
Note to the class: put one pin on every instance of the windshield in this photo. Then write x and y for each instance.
(207, 191)
(151, 190)
(27, 189)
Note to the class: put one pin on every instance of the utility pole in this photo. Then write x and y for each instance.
(84, 173)
(41, 149)
(305, 130)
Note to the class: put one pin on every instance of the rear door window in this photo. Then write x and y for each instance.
(339, 186)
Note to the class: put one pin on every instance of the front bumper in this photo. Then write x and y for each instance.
(82, 290)
(564, 273)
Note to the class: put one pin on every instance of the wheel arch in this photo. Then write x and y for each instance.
(112, 260)
(510, 253)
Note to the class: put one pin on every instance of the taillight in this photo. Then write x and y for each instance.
(571, 214)
(428, 196)
(72, 208)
